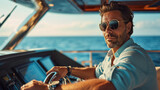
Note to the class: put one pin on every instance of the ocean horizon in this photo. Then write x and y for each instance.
(83, 43)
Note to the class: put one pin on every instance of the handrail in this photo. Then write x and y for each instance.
(83, 51)
(95, 51)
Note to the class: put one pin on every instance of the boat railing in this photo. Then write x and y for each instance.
(91, 54)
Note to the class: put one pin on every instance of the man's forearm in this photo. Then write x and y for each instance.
(84, 73)
(91, 84)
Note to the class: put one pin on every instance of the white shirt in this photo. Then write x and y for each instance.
(132, 68)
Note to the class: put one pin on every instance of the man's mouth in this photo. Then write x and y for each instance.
(110, 38)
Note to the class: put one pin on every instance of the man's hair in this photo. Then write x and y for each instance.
(126, 12)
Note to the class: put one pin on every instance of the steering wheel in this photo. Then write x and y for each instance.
(50, 80)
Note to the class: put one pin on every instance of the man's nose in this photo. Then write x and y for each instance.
(108, 29)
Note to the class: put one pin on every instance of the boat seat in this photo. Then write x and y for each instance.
(158, 76)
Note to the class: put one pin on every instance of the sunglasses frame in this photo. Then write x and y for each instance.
(100, 25)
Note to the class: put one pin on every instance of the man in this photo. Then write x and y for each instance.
(125, 67)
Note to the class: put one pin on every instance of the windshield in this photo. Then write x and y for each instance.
(13, 19)
(73, 31)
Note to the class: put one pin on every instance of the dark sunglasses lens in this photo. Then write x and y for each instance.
(103, 26)
(113, 24)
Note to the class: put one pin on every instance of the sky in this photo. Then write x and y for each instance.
(56, 24)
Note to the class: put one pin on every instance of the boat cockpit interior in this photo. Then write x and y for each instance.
(18, 67)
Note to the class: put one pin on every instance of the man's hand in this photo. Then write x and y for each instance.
(61, 70)
(34, 85)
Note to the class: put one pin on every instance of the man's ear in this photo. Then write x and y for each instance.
(129, 25)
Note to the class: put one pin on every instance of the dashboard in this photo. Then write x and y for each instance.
(19, 68)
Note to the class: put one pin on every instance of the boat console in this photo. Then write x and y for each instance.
(19, 68)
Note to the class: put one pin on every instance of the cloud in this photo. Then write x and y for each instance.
(147, 27)
(71, 28)
(154, 24)
(74, 25)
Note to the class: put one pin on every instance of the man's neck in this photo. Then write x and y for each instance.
(114, 50)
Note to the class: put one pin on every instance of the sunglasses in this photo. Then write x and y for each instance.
(113, 24)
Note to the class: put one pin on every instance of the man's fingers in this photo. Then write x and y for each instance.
(54, 69)
(33, 84)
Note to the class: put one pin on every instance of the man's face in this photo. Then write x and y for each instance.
(115, 38)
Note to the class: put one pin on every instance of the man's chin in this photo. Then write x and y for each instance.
(111, 45)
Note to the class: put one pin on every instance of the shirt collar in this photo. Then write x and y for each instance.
(125, 45)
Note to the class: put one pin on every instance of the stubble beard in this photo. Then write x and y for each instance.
(120, 40)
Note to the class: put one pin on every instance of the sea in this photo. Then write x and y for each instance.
(85, 43)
